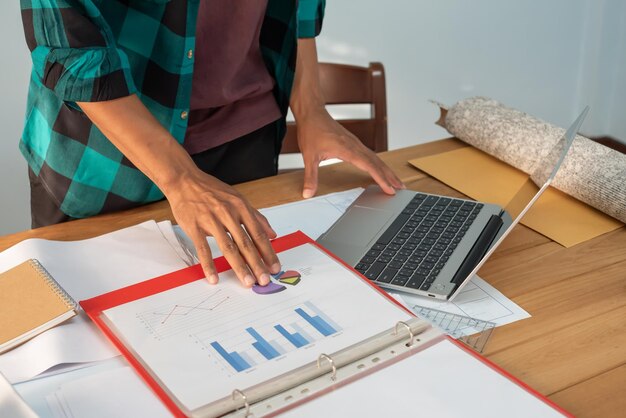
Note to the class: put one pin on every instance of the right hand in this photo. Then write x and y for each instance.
(204, 206)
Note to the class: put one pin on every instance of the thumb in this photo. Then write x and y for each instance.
(310, 179)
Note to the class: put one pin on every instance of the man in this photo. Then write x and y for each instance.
(131, 101)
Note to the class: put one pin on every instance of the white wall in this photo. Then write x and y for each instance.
(14, 75)
(548, 58)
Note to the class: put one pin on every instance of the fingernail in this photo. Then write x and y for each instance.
(307, 193)
(264, 279)
(275, 268)
(403, 186)
(249, 280)
(213, 279)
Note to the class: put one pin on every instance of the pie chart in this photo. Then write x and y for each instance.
(269, 289)
(290, 277)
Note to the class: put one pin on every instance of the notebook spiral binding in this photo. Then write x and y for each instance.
(53, 284)
(343, 367)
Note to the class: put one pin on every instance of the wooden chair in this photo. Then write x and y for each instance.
(349, 84)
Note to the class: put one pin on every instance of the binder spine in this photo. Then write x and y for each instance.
(54, 285)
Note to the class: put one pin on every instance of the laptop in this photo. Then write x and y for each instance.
(431, 245)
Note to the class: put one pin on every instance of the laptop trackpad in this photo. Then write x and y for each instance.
(359, 226)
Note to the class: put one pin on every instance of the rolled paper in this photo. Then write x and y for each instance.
(591, 172)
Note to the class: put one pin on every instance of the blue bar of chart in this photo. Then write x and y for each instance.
(298, 331)
(234, 358)
(262, 345)
(296, 339)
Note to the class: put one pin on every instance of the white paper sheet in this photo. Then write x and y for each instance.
(478, 300)
(442, 381)
(240, 338)
(11, 404)
(116, 393)
(85, 269)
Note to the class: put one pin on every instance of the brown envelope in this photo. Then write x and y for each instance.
(480, 176)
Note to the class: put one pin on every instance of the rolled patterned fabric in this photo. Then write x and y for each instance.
(591, 172)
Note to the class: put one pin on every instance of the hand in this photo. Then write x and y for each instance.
(203, 206)
(320, 137)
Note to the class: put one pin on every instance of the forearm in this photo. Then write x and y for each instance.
(306, 94)
(130, 126)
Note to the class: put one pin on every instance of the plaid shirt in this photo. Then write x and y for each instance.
(96, 50)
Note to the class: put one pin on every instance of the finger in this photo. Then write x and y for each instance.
(392, 177)
(259, 236)
(231, 253)
(250, 254)
(271, 234)
(372, 165)
(310, 178)
(204, 255)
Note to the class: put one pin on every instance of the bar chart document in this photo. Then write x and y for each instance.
(201, 341)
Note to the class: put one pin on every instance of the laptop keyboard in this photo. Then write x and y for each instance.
(419, 242)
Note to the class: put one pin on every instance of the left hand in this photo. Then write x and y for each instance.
(320, 138)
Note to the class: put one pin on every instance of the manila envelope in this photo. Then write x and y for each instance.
(482, 177)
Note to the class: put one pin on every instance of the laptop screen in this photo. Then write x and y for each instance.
(542, 176)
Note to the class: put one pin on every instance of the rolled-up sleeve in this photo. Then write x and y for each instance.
(310, 17)
(71, 53)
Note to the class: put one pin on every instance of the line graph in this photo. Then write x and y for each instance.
(186, 314)
(189, 309)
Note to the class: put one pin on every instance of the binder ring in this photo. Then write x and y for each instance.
(408, 328)
(245, 401)
(333, 376)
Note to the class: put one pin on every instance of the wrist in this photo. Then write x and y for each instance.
(303, 109)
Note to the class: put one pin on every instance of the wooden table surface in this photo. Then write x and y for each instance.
(572, 350)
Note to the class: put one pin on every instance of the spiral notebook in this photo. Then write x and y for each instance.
(208, 351)
(31, 302)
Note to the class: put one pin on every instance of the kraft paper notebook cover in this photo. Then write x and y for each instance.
(207, 350)
(480, 176)
(31, 302)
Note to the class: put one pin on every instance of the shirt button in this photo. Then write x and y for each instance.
(190, 54)
(184, 114)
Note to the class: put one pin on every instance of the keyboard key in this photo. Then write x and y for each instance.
(456, 203)
(411, 265)
(373, 253)
(393, 247)
(395, 264)
(378, 247)
(445, 200)
(373, 272)
(387, 275)
(384, 259)
(389, 253)
(430, 201)
(368, 260)
(399, 241)
(415, 281)
(393, 229)
(400, 258)
(405, 272)
(399, 280)
(361, 267)
(425, 286)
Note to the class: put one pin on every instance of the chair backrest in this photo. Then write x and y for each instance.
(349, 84)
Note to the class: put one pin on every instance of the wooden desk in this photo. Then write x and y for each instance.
(573, 349)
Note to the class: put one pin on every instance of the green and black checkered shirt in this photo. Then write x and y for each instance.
(96, 50)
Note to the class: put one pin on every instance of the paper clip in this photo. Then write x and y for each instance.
(245, 401)
(408, 328)
(333, 376)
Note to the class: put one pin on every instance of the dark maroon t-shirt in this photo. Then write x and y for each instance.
(232, 88)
